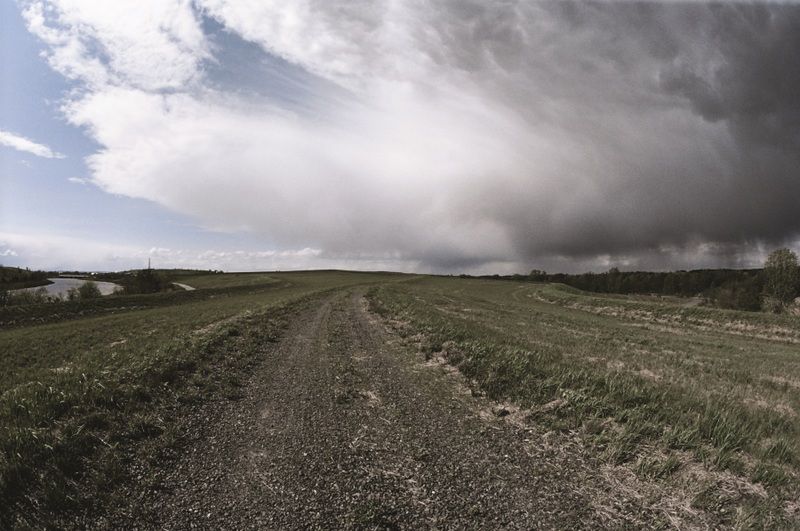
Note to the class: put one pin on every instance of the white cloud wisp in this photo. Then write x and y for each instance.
(20, 143)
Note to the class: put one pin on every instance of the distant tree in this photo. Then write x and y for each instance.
(538, 274)
(147, 281)
(781, 277)
(89, 290)
(614, 280)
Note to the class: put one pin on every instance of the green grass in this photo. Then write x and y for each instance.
(650, 383)
(229, 280)
(93, 386)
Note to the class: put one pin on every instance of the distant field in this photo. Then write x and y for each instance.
(229, 280)
(706, 400)
(701, 402)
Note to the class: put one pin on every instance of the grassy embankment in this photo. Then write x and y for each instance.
(700, 401)
(25, 284)
(88, 388)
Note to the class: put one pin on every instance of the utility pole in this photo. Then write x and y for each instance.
(148, 263)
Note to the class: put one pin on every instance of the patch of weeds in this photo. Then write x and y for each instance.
(623, 448)
(191, 395)
(174, 371)
(142, 427)
(770, 475)
(727, 430)
(659, 467)
(233, 387)
(760, 513)
(141, 394)
(681, 437)
(779, 450)
(97, 420)
(712, 499)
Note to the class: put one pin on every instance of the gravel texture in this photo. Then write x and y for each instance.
(344, 426)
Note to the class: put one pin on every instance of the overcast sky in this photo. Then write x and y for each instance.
(446, 136)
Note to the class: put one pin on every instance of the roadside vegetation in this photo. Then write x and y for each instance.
(89, 390)
(702, 401)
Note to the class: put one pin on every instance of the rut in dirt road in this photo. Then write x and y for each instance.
(344, 427)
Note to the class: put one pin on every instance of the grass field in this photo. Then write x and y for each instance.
(703, 400)
(84, 385)
(701, 405)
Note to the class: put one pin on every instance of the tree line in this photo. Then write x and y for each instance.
(18, 278)
(772, 288)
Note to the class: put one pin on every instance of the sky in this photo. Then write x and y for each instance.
(451, 136)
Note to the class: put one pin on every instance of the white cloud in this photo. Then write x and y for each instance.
(20, 143)
(150, 44)
(78, 180)
(251, 167)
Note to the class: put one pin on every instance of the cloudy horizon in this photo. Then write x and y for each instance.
(441, 137)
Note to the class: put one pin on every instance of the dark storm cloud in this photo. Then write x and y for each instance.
(690, 113)
(754, 83)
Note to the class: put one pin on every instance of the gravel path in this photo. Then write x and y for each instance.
(185, 287)
(343, 426)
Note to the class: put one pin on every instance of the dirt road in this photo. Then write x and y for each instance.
(343, 426)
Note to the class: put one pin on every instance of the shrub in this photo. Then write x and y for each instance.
(146, 281)
(737, 294)
(89, 290)
(781, 277)
(28, 296)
